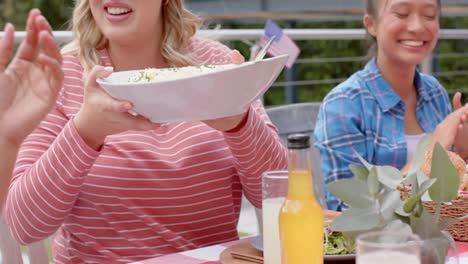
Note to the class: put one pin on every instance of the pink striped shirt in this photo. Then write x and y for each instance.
(145, 193)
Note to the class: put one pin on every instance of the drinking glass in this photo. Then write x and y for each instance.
(274, 191)
(388, 248)
(439, 250)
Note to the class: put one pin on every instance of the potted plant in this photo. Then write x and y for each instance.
(375, 203)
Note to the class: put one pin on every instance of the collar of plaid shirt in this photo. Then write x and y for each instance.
(384, 93)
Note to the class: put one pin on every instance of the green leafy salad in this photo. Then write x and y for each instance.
(335, 243)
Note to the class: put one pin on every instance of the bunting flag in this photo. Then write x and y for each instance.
(281, 45)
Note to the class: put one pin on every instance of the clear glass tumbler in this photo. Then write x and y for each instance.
(274, 191)
(384, 247)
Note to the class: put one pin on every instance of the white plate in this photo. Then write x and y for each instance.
(204, 96)
(257, 243)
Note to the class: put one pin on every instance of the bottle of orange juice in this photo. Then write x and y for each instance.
(301, 218)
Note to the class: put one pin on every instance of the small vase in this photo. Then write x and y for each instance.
(439, 249)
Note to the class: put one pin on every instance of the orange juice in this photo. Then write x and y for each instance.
(301, 222)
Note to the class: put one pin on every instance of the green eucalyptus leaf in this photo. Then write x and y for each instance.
(415, 185)
(401, 212)
(356, 220)
(426, 185)
(352, 192)
(419, 209)
(390, 202)
(359, 172)
(421, 177)
(410, 179)
(418, 156)
(354, 234)
(446, 187)
(397, 226)
(411, 203)
(363, 161)
(404, 219)
(389, 176)
(373, 183)
(374, 201)
(437, 212)
(425, 226)
(445, 223)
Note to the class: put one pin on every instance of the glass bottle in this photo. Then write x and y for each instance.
(301, 218)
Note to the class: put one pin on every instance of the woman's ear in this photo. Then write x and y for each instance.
(369, 24)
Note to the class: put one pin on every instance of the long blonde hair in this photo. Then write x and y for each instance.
(179, 26)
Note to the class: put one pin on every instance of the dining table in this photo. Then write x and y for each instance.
(217, 254)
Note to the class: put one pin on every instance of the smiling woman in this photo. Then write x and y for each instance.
(384, 109)
(388, 17)
(117, 187)
(107, 23)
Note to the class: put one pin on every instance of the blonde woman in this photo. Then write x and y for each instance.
(117, 187)
(22, 106)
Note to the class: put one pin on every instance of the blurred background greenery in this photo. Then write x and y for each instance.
(316, 73)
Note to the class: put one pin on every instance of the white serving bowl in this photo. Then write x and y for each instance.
(204, 96)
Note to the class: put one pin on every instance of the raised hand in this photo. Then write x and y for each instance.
(31, 82)
(456, 101)
(450, 131)
(461, 142)
(101, 115)
(230, 122)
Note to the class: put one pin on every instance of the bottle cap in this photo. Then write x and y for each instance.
(298, 141)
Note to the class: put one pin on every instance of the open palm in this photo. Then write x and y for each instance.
(30, 84)
(460, 142)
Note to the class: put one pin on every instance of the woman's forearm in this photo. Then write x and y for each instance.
(49, 173)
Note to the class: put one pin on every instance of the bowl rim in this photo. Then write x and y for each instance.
(241, 65)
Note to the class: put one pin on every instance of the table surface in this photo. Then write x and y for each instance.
(210, 255)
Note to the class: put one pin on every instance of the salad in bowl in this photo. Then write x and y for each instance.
(335, 243)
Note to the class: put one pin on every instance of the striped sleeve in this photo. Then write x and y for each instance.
(48, 176)
(208, 51)
(256, 148)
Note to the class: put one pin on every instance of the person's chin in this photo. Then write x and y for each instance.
(413, 58)
(417, 54)
(417, 60)
(118, 36)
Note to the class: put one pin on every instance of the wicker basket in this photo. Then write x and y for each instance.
(458, 208)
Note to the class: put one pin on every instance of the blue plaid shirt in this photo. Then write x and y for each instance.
(365, 114)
